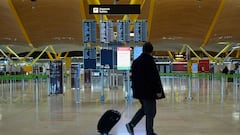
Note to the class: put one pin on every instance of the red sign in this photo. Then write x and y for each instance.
(203, 66)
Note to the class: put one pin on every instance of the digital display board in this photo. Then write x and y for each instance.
(89, 31)
(123, 58)
(89, 58)
(123, 30)
(140, 30)
(107, 58)
(137, 51)
(106, 31)
(56, 77)
(194, 68)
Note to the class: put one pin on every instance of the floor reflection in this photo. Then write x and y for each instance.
(213, 108)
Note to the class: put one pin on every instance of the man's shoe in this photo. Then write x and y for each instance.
(130, 129)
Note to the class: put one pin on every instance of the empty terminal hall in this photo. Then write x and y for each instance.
(119, 67)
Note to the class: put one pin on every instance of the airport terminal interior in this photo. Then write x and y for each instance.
(64, 63)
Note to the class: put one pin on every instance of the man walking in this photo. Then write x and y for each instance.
(147, 88)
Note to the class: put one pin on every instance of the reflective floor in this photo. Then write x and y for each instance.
(191, 107)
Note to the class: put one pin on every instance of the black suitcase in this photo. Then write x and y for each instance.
(108, 120)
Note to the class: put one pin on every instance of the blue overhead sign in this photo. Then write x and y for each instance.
(89, 58)
(89, 31)
(140, 30)
(106, 31)
(137, 51)
(107, 58)
(90, 53)
(123, 30)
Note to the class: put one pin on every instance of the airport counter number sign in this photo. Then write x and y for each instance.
(123, 58)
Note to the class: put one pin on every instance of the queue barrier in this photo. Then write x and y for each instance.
(202, 75)
(172, 79)
(192, 82)
(9, 85)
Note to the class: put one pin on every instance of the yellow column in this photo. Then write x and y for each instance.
(150, 16)
(20, 23)
(213, 23)
(238, 54)
(193, 51)
(171, 56)
(223, 50)
(68, 62)
(50, 56)
(12, 52)
(11, 61)
(34, 61)
(58, 56)
(82, 9)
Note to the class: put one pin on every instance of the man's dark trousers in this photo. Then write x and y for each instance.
(149, 109)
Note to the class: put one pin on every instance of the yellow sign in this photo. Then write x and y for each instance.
(27, 68)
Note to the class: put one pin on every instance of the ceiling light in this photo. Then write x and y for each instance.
(223, 43)
(131, 34)
(236, 47)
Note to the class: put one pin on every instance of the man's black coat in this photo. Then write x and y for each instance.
(146, 82)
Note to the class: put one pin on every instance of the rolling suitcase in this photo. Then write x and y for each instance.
(108, 120)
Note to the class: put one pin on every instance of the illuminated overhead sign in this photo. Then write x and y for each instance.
(114, 9)
(123, 58)
(137, 51)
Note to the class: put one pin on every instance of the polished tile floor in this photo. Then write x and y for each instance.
(209, 109)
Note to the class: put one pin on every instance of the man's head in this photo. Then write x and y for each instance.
(147, 48)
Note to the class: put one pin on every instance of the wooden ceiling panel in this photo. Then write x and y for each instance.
(184, 22)
(10, 32)
(228, 27)
(50, 22)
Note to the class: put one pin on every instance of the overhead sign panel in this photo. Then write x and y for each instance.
(114, 9)
(89, 60)
(123, 30)
(107, 58)
(89, 31)
(106, 31)
(140, 30)
(137, 51)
